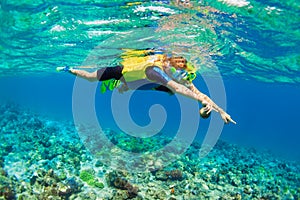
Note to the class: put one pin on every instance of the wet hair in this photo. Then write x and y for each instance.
(179, 57)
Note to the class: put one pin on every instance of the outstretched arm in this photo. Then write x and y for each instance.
(205, 99)
(194, 93)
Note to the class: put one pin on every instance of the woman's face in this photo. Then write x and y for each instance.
(178, 62)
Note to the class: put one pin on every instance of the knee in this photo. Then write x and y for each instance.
(92, 77)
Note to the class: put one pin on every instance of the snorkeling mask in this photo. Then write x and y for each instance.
(182, 75)
(190, 68)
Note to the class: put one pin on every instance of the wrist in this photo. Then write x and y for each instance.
(221, 111)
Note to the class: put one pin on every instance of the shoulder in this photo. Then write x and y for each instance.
(156, 73)
(156, 69)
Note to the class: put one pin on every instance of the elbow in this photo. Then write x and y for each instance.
(180, 91)
(173, 86)
(175, 89)
(92, 77)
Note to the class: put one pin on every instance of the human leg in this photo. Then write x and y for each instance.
(90, 76)
(101, 74)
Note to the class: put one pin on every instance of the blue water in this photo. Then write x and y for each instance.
(247, 59)
(255, 48)
(267, 114)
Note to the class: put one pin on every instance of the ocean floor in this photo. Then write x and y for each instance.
(45, 159)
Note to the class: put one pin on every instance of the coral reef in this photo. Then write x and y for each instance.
(45, 159)
(89, 177)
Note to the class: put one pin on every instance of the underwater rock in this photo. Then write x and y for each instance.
(47, 185)
(7, 190)
(205, 187)
(155, 193)
(154, 166)
(1, 161)
(114, 179)
(238, 196)
(173, 175)
(73, 185)
(98, 163)
(123, 184)
(6, 148)
(59, 190)
(42, 177)
(64, 190)
(119, 194)
(161, 175)
(3, 173)
(247, 189)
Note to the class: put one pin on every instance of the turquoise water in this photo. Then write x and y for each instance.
(258, 41)
(253, 46)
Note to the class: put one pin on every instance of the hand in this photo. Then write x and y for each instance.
(226, 117)
(207, 107)
(205, 112)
